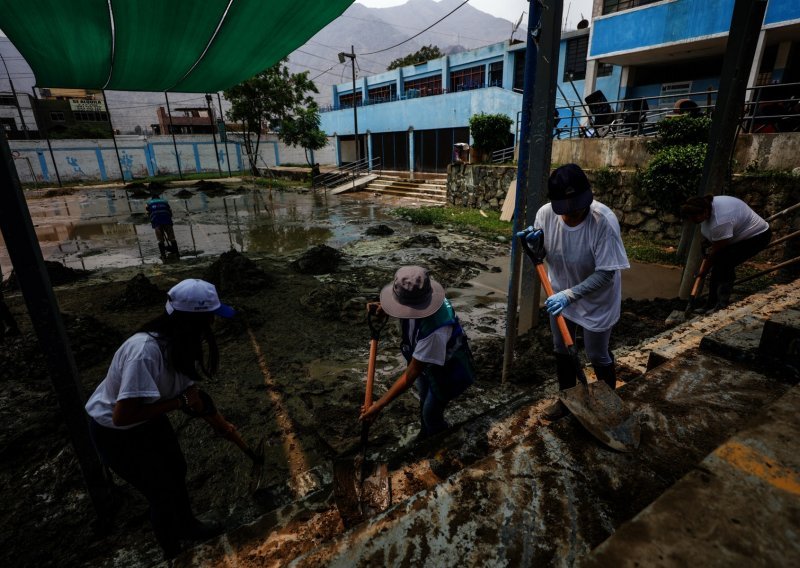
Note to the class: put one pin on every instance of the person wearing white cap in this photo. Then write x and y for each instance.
(152, 374)
(585, 255)
(434, 346)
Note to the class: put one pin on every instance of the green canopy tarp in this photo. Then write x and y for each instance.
(159, 45)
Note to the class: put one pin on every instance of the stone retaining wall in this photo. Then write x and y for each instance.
(485, 187)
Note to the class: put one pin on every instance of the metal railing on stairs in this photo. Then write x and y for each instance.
(347, 173)
(503, 155)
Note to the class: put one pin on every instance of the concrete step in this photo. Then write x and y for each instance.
(420, 190)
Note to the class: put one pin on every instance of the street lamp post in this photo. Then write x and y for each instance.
(352, 57)
(213, 134)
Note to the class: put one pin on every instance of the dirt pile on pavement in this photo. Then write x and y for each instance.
(423, 240)
(379, 231)
(58, 273)
(139, 293)
(211, 187)
(234, 273)
(320, 259)
(184, 194)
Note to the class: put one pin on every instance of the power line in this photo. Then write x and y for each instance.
(418, 34)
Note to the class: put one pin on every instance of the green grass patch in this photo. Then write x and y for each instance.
(641, 249)
(483, 223)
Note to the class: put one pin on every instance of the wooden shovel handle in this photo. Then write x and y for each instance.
(373, 354)
(562, 325)
(699, 279)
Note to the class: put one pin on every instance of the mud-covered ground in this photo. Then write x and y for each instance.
(292, 372)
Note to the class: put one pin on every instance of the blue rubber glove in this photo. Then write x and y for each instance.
(556, 303)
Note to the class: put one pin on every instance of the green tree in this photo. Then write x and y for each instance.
(303, 130)
(425, 53)
(490, 131)
(266, 101)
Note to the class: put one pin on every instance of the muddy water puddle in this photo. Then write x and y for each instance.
(108, 228)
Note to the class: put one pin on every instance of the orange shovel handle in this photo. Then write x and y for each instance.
(562, 325)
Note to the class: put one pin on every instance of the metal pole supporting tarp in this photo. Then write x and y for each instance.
(172, 131)
(534, 17)
(34, 282)
(113, 136)
(225, 140)
(746, 21)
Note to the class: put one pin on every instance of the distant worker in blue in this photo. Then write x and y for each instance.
(161, 220)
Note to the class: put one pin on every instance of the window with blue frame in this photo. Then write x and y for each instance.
(424, 87)
(496, 74)
(382, 94)
(466, 79)
(346, 101)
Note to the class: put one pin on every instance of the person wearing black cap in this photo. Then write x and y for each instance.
(434, 346)
(585, 255)
(152, 374)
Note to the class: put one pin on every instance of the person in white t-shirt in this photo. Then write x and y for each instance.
(151, 374)
(434, 346)
(735, 233)
(584, 258)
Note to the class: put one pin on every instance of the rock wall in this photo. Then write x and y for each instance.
(478, 186)
(485, 187)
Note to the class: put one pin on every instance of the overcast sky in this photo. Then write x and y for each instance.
(507, 9)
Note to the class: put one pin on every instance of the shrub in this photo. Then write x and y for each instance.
(682, 130)
(673, 176)
(490, 131)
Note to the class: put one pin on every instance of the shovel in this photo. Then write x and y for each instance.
(361, 488)
(596, 406)
(256, 456)
(677, 315)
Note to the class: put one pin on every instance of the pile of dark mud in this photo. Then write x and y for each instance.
(139, 293)
(210, 187)
(320, 259)
(234, 273)
(58, 273)
(379, 231)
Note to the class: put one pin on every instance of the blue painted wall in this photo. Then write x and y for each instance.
(672, 22)
(658, 24)
(782, 11)
(441, 111)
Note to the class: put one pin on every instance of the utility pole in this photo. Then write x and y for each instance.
(352, 57)
(213, 134)
(225, 132)
(40, 124)
(172, 131)
(16, 100)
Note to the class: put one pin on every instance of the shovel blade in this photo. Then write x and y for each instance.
(604, 415)
(361, 489)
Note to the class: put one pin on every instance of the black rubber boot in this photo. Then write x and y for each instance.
(162, 248)
(173, 247)
(567, 378)
(607, 374)
(565, 371)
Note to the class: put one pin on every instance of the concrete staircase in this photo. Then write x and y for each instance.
(430, 190)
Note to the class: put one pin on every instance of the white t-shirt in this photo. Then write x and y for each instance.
(432, 349)
(137, 370)
(574, 253)
(731, 218)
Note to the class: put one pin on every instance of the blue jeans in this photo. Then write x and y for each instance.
(431, 409)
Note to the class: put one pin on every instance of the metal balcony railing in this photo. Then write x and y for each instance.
(769, 108)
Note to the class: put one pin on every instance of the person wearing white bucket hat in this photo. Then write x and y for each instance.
(152, 374)
(434, 346)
